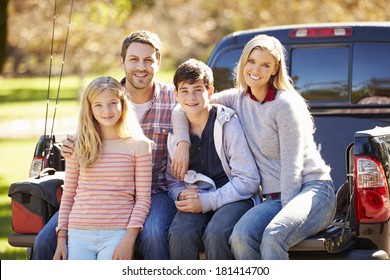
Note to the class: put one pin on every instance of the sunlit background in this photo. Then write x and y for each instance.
(29, 28)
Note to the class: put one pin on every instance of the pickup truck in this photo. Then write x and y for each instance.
(342, 71)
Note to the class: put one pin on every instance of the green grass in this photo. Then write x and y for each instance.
(31, 89)
(15, 159)
(26, 98)
(27, 89)
(23, 98)
(36, 109)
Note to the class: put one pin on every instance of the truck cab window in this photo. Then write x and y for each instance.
(223, 69)
(321, 74)
(370, 73)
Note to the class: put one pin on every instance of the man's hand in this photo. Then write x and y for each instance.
(181, 160)
(67, 146)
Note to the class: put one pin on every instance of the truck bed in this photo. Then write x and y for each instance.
(314, 247)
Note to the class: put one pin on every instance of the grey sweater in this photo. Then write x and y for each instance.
(237, 162)
(280, 137)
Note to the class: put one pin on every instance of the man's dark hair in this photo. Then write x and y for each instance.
(144, 37)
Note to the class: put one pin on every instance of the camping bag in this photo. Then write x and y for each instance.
(35, 200)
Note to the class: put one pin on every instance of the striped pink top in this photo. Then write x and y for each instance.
(113, 193)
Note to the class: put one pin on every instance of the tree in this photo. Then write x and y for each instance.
(186, 28)
(3, 33)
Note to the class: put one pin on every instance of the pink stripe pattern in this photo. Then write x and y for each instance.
(113, 193)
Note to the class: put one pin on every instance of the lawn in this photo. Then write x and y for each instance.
(16, 158)
(22, 98)
(26, 98)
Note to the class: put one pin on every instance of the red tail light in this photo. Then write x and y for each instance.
(321, 32)
(39, 161)
(371, 191)
(37, 164)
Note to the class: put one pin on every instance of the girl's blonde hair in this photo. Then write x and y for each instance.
(281, 79)
(88, 146)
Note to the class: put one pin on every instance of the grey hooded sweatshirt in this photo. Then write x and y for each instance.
(237, 162)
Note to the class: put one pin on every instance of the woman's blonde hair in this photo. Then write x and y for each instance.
(281, 79)
(88, 146)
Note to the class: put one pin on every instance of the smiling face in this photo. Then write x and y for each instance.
(194, 97)
(259, 68)
(140, 65)
(106, 109)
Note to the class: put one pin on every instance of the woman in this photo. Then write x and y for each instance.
(296, 183)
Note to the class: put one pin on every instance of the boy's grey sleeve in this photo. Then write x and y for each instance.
(244, 179)
(180, 125)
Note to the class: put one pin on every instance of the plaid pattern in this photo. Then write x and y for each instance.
(156, 123)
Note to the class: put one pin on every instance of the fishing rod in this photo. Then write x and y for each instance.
(50, 66)
(62, 69)
(48, 144)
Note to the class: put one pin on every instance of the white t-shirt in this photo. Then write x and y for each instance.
(140, 109)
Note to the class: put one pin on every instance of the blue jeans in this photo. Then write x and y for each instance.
(191, 232)
(152, 241)
(93, 244)
(46, 241)
(267, 231)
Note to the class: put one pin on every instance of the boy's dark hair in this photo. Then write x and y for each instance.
(144, 37)
(191, 71)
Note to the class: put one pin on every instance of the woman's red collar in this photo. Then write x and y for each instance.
(270, 96)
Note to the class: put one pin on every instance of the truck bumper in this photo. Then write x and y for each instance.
(21, 240)
(351, 254)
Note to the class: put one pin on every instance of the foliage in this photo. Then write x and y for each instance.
(187, 28)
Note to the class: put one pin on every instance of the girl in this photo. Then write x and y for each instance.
(296, 183)
(107, 184)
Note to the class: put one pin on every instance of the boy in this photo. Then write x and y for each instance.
(220, 158)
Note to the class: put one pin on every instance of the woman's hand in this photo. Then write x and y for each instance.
(181, 160)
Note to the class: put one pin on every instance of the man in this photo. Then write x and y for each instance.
(153, 102)
(220, 185)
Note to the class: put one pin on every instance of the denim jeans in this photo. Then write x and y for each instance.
(46, 241)
(267, 231)
(152, 241)
(191, 232)
(93, 244)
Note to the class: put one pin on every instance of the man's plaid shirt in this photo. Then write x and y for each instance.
(156, 123)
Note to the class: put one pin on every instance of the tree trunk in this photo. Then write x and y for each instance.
(3, 33)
